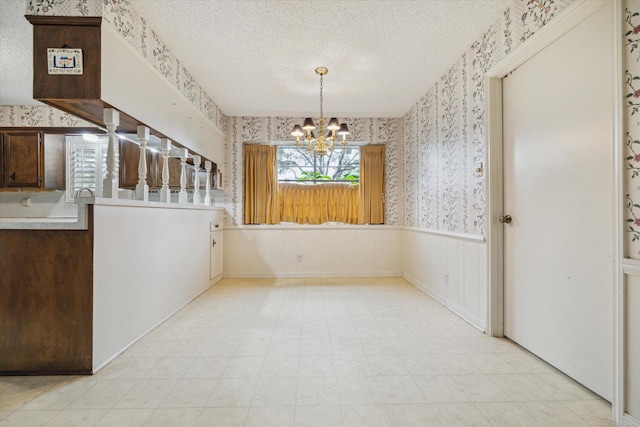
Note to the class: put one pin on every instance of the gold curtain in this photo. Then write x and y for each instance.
(260, 185)
(371, 209)
(319, 203)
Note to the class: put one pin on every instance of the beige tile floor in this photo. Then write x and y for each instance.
(310, 352)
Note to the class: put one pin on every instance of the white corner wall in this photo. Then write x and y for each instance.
(331, 251)
(449, 267)
(148, 263)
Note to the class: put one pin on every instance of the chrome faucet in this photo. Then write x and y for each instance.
(79, 192)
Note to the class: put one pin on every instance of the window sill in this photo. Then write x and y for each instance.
(294, 226)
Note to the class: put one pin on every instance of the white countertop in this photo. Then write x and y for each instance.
(80, 222)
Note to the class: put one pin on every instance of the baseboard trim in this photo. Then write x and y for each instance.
(629, 421)
(299, 274)
(126, 347)
(451, 306)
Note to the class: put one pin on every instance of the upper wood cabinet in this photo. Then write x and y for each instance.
(54, 161)
(129, 154)
(22, 159)
(175, 169)
(190, 175)
(203, 179)
(31, 158)
(1, 160)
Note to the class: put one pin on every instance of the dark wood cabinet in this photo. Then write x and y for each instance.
(157, 162)
(34, 158)
(54, 161)
(154, 178)
(22, 159)
(129, 155)
(1, 160)
(191, 177)
(203, 178)
(174, 173)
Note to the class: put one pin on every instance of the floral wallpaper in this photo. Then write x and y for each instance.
(444, 134)
(122, 16)
(64, 7)
(631, 117)
(38, 116)
(259, 130)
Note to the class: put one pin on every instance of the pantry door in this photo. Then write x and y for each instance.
(558, 190)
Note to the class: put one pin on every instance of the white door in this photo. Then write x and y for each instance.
(558, 188)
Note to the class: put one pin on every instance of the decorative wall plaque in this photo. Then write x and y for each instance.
(64, 61)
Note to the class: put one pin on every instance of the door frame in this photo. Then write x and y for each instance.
(575, 13)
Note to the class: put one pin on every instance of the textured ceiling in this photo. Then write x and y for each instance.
(256, 57)
(16, 54)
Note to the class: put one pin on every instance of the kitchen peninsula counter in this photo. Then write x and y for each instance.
(76, 292)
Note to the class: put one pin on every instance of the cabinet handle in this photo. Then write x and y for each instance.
(13, 176)
(214, 243)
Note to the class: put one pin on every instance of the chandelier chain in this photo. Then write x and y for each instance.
(321, 99)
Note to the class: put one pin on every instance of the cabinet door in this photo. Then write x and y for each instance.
(174, 172)
(191, 177)
(1, 160)
(157, 165)
(22, 159)
(129, 158)
(203, 178)
(175, 169)
(154, 168)
(54, 161)
(215, 253)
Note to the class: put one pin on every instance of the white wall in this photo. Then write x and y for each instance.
(272, 251)
(148, 263)
(449, 267)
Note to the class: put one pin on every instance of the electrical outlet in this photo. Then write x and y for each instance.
(299, 258)
(446, 279)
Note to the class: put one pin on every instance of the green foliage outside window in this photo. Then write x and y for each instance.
(298, 165)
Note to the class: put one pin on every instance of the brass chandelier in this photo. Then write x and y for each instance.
(321, 144)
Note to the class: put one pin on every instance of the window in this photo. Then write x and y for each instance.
(86, 164)
(275, 189)
(298, 165)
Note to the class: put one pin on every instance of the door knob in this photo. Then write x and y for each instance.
(505, 219)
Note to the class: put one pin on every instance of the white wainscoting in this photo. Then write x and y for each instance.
(148, 263)
(325, 250)
(451, 268)
(631, 327)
